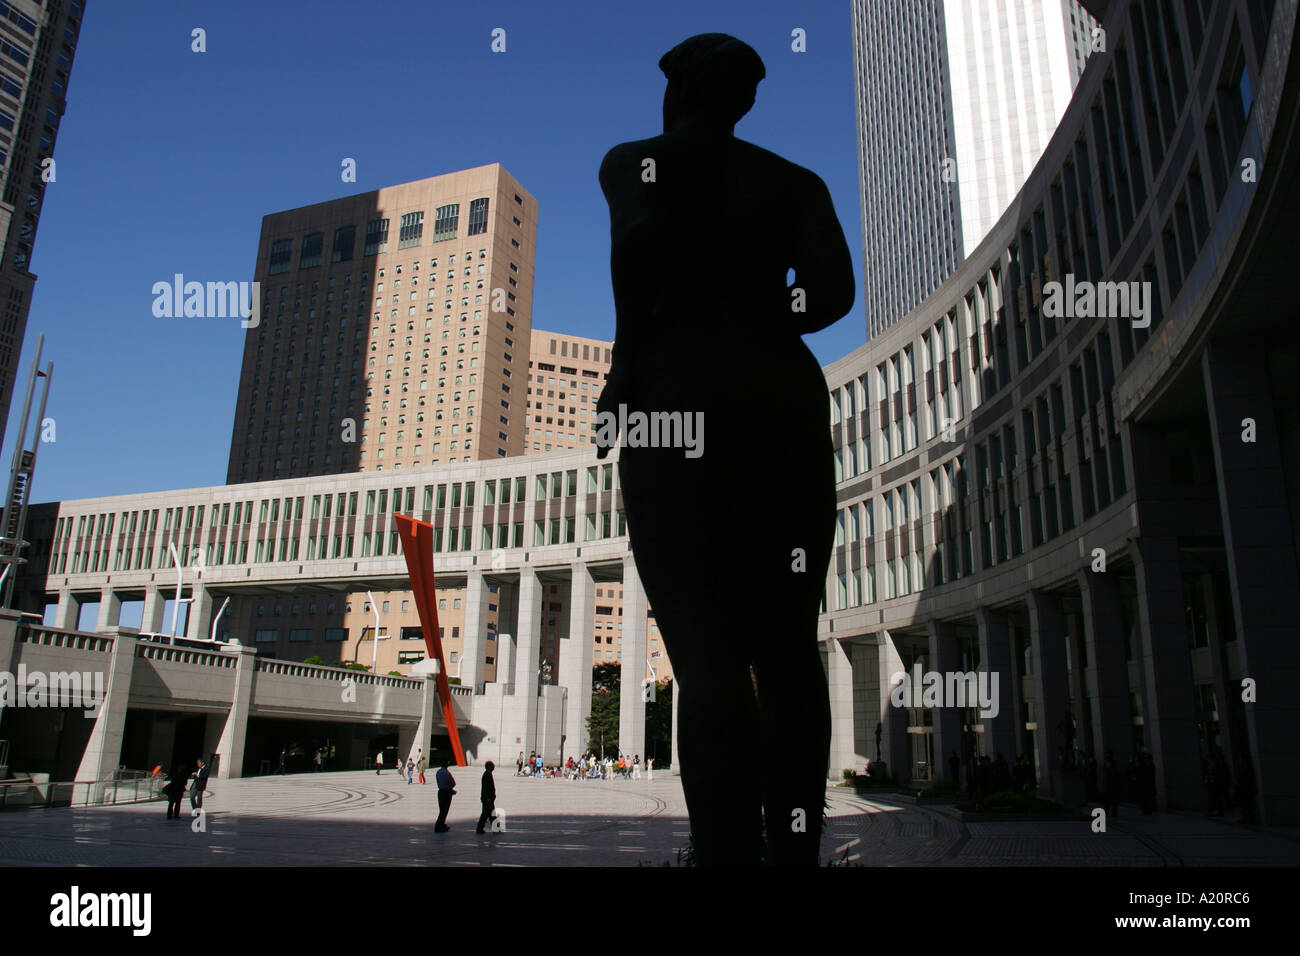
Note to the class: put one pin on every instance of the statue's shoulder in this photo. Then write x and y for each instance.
(627, 156)
(778, 165)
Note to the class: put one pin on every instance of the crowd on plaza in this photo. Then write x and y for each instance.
(587, 767)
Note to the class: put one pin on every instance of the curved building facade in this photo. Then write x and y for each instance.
(1074, 465)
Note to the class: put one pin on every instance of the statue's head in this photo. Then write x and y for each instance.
(712, 77)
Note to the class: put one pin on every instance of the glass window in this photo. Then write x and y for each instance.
(445, 220)
(478, 213)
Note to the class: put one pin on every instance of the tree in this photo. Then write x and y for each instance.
(602, 725)
(606, 677)
(659, 725)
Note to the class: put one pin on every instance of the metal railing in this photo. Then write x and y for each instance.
(127, 786)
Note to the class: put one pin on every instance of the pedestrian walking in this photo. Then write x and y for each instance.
(421, 764)
(446, 790)
(410, 769)
(283, 757)
(487, 796)
(379, 762)
(175, 789)
(200, 783)
(636, 767)
(318, 761)
(519, 765)
(649, 768)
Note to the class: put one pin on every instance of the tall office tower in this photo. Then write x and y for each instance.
(956, 100)
(379, 345)
(37, 44)
(566, 374)
(393, 333)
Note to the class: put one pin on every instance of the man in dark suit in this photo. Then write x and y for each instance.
(488, 796)
(704, 229)
(446, 790)
(200, 783)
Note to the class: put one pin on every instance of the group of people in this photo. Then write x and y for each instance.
(174, 788)
(587, 767)
(416, 764)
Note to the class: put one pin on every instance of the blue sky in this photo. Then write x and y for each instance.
(168, 159)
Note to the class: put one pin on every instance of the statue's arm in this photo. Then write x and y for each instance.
(823, 268)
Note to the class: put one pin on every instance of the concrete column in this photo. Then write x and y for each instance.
(1167, 668)
(103, 753)
(947, 720)
(1258, 534)
(839, 678)
(507, 631)
(676, 770)
(1047, 639)
(893, 741)
(65, 616)
(198, 622)
(474, 636)
(422, 735)
(867, 703)
(231, 744)
(633, 673)
(995, 659)
(528, 638)
(406, 737)
(576, 658)
(522, 710)
(1107, 674)
(151, 619)
(212, 727)
(1234, 738)
(110, 610)
(1017, 675)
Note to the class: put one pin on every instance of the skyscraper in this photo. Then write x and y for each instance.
(387, 341)
(37, 44)
(956, 100)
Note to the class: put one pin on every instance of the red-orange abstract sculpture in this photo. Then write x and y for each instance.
(417, 544)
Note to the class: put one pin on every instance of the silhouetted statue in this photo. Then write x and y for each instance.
(704, 229)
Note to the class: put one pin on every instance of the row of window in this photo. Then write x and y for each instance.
(410, 232)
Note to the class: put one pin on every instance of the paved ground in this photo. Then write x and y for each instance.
(337, 819)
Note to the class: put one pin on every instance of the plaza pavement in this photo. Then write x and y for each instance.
(340, 819)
